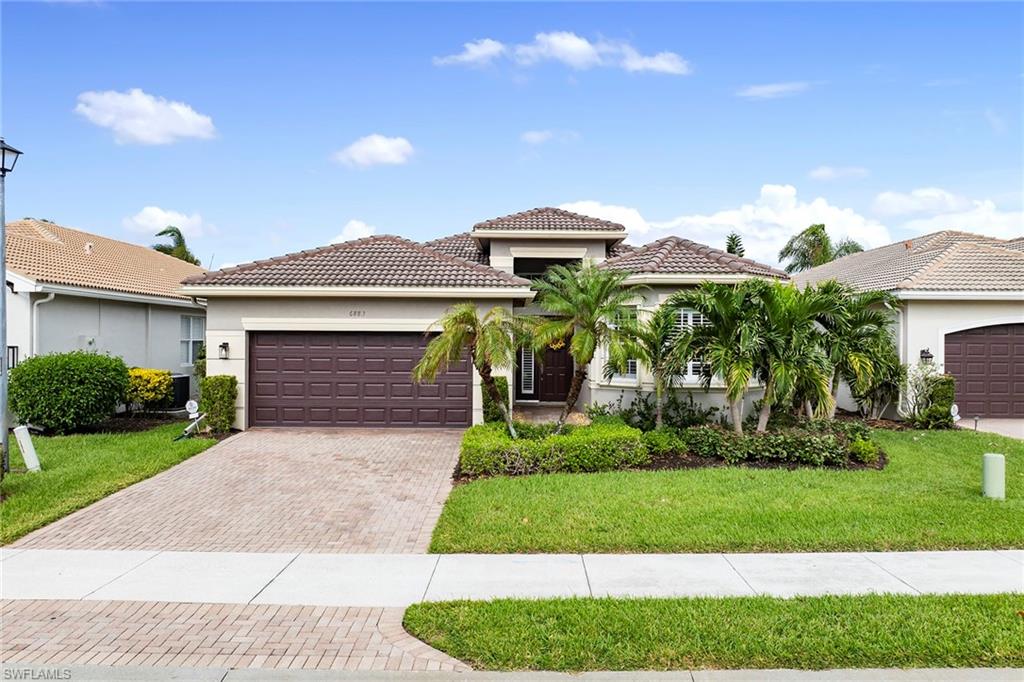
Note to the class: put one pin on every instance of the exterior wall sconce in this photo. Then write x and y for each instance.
(926, 356)
(222, 350)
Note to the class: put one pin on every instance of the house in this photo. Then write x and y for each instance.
(72, 290)
(327, 337)
(963, 309)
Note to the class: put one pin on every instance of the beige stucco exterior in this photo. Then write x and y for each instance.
(229, 319)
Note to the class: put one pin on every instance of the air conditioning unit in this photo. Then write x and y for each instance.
(180, 390)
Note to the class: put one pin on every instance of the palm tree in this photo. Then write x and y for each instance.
(585, 302)
(730, 341)
(856, 334)
(792, 354)
(813, 247)
(491, 342)
(734, 244)
(649, 341)
(177, 247)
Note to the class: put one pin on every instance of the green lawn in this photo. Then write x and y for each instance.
(927, 498)
(78, 470)
(736, 632)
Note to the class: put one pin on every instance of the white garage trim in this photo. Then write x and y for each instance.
(974, 324)
(320, 324)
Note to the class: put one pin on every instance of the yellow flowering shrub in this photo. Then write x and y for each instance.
(148, 387)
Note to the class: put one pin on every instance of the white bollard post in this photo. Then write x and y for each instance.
(28, 451)
(993, 476)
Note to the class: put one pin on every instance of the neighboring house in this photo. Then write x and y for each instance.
(327, 337)
(963, 304)
(71, 290)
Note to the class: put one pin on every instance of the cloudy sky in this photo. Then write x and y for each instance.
(264, 128)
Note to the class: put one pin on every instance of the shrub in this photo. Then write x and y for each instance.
(863, 451)
(685, 413)
(929, 397)
(705, 441)
(641, 413)
(601, 446)
(217, 396)
(64, 392)
(148, 387)
(492, 413)
(199, 364)
(664, 441)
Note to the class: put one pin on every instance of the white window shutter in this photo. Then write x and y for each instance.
(526, 371)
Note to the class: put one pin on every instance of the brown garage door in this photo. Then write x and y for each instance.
(350, 379)
(988, 363)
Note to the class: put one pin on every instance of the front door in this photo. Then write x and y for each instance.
(555, 374)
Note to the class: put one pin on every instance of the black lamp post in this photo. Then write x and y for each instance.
(8, 157)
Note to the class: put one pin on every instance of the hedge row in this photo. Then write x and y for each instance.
(609, 444)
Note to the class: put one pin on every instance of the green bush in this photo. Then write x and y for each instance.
(199, 364)
(64, 392)
(664, 441)
(932, 417)
(492, 413)
(863, 451)
(814, 443)
(602, 446)
(217, 396)
(705, 441)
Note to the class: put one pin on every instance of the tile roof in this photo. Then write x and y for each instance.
(53, 254)
(674, 255)
(621, 249)
(378, 261)
(557, 219)
(460, 245)
(940, 261)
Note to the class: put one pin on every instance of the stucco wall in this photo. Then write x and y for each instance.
(19, 330)
(926, 323)
(504, 251)
(228, 320)
(144, 335)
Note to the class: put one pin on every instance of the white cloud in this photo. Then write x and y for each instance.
(663, 62)
(995, 121)
(137, 117)
(354, 229)
(981, 217)
(945, 82)
(374, 150)
(838, 172)
(152, 219)
(476, 53)
(539, 137)
(568, 48)
(624, 215)
(922, 200)
(773, 90)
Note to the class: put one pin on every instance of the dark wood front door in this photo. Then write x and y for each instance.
(555, 374)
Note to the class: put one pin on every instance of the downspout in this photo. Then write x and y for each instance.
(35, 322)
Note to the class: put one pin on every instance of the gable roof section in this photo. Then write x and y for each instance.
(941, 261)
(677, 256)
(460, 245)
(52, 254)
(548, 219)
(378, 261)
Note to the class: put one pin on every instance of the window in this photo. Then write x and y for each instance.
(193, 335)
(627, 314)
(688, 319)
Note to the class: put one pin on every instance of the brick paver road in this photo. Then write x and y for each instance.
(55, 632)
(282, 490)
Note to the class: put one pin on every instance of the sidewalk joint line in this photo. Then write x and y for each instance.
(586, 574)
(113, 580)
(872, 561)
(431, 578)
(275, 577)
(742, 577)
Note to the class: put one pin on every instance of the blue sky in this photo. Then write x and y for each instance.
(263, 128)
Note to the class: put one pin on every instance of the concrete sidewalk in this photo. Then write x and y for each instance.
(397, 580)
(135, 674)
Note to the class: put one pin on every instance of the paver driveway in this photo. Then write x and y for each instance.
(282, 490)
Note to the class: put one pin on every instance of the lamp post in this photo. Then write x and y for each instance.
(8, 157)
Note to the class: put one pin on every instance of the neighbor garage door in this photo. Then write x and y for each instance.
(988, 363)
(350, 379)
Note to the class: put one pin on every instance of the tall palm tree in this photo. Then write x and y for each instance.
(792, 354)
(650, 341)
(734, 244)
(855, 334)
(177, 247)
(491, 342)
(729, 343)
(585, 302)
(813, 247)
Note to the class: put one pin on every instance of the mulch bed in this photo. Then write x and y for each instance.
(690, 461)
